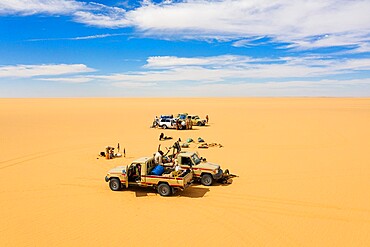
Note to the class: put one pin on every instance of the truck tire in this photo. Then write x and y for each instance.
(164, 190)
(115, 184)
(206, 179)
(164, 126)
(199, 123)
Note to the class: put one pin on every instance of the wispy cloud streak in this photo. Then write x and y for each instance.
(97, 36)
(26, 71)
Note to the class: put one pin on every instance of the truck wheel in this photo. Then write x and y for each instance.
(206, 179)
(115, 184)
(199, 123)
(164, 126)
(164, 190)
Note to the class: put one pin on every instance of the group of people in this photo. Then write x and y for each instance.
(179, 124)
(110, 154)
(188, 124)
(160, 157)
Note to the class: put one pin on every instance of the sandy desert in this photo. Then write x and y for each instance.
(303, 166)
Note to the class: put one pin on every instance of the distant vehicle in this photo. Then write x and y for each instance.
(181, 122)
(163, 120)
(185, 121)
(166, 116)
(139, 173)
(167, 123)
(182, 116)
(195, 119)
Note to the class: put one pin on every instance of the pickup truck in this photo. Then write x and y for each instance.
(139, 173)
(195, 119)
(203, 171)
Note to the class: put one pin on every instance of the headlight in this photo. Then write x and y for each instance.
(216, 171)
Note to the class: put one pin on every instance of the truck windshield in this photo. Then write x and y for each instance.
(195, 159)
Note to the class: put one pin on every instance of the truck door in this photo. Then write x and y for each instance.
(143, 172)
(126, 182)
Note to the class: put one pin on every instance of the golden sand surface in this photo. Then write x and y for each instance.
(303, 166)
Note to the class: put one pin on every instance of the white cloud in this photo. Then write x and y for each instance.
(225, 75)
(90, 13)
(29, 7)
(97, 36)
(216, 61)
(74, 80)
(114, 19)
(329, 88)
(214, 70)
(42, 70)
(300, 23)
(170, 75)
(236, 68)
(133, 85)
(345, 22)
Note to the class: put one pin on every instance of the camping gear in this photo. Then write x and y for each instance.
(158, 170)
(200, 139)
(204, 145)
(185, 145)
(189, 140)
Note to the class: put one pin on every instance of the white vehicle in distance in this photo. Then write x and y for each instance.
(167, 123)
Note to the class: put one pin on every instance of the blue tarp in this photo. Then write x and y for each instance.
(158, 170)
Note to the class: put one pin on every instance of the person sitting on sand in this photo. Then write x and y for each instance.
(162, 137)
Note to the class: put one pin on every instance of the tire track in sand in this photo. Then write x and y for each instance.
(35, 156)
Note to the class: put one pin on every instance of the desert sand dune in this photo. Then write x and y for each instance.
(303, 166)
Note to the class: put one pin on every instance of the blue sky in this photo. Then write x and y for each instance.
(71, 48)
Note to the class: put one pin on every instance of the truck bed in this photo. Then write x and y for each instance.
(181, 181)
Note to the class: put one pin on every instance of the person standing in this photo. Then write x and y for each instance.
(155, 122)
(111, 153)
(207, 118)
(118, 147)
(158, 158)
(177, 124)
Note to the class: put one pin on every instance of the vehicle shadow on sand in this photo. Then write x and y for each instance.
(191, 192)
(215, 184)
